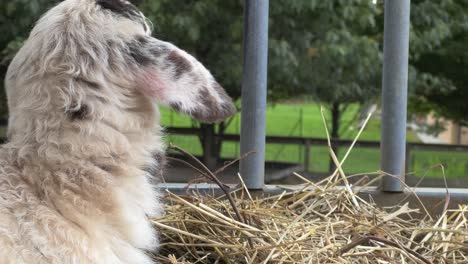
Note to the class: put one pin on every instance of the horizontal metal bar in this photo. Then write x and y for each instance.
(422, 191)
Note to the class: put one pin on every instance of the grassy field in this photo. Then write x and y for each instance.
(305, 120)
(294, 120)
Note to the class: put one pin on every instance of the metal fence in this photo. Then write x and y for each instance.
(394, 101)
(394, 96)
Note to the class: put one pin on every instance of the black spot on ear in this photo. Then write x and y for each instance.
(214, 111)
(181, 64)
(211, 110)
(120, 7)
(176, 106)
(138, 50)
(142, 40)
(80, 113)
(230, 106)
(157, 50)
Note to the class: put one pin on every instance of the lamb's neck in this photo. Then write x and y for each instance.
(95, 184)
(113, 144)
(114, 149)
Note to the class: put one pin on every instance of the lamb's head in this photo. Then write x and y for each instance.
(91, 59)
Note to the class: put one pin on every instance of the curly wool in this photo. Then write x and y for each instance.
(73, 185)
(84, 130)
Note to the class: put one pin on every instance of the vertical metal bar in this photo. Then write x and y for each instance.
(394, 94)
(254, 84)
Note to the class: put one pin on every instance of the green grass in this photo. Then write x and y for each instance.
(294, 120)
(305, 120)
(426, 162)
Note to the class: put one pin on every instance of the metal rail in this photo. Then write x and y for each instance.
(431, 199)
(394, 94)
(254, 92)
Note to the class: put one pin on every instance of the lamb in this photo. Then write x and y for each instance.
(84, 130)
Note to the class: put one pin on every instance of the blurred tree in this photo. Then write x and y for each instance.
(342, 62)
(16, 20)
(440, 60)
(329, 49)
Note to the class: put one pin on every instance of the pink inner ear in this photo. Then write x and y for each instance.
(151, 85)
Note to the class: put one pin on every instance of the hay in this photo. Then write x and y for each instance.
(311, 223)
(315, 224)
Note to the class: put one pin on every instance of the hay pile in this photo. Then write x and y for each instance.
(317, 223)
(313, 223)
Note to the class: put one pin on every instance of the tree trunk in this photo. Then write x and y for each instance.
(211, 144)
(218, 140)
(336, 116)
(208, 141)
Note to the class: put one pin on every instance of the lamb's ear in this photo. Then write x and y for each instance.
(172, 77)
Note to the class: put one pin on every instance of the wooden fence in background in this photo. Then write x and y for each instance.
(308, 142)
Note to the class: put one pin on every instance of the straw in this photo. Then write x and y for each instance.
(315, 222)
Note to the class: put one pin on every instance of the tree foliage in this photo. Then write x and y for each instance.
(440, 59)
(329, 49)
(16, 20)
(342, 61)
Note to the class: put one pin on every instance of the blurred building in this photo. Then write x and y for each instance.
(451, 133)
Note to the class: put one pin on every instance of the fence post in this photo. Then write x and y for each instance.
(254, 92)
(301, 131)
(408, 158)
(307, 155)
(394, 93)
